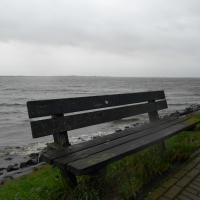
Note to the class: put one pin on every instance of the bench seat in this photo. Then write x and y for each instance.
(91, 156)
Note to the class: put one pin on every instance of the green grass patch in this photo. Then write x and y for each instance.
(197, 116)
(123, 180)
(23, 187)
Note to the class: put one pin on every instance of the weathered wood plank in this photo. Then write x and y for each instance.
(50, 156)
(61, 138)
(153, 116)
(99, 160)
(50, 126)
(63, 161)
(59, 106)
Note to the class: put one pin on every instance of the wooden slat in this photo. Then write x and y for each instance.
(61, 162)
(99, 160)
(50, 126)
(153, 116)
(62, 137)
(52, 155)
(60, 106)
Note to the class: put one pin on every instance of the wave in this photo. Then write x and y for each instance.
(10, 89)
(12, 104)
(183, 104)
(179, 104)
(11, 112)
(20, 98)
(23, 150)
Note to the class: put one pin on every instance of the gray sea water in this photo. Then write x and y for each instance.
(16, 91)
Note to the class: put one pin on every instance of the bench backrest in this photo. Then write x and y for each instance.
(86, 111)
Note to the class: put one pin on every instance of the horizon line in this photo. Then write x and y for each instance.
(99, 76)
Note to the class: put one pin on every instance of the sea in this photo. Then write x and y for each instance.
(15, 131)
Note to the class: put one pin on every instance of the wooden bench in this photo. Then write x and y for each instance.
(92, 157)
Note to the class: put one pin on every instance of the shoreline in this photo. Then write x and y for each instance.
(18, 161)
(16, 172)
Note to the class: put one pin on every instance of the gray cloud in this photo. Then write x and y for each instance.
(99, 23)
(158, 27)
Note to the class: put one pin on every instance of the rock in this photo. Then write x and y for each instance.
(33, 155)
(1, 182)
(15, 168)
(40, 157)
(135, 124)
(1, 169)
(7, 178)
(23, 164)
(8, 159)
(10, 177)
(118, 130)
(28, 162)
(138, 124)
(34, 161)
(12, 167)
(9, 168)
(176, 114)
(96, 136)
(35, 158)
(185, 112)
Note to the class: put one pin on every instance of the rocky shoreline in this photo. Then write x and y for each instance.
(13, 166)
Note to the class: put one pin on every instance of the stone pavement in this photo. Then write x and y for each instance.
(182, 185)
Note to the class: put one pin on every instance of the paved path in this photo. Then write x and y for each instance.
(183, 185)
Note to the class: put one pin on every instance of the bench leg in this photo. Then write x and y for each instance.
(97, 176)
(192, 128)
(66, 175)
(161, 147)
(101, 173)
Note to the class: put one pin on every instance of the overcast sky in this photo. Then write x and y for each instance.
(134, 38)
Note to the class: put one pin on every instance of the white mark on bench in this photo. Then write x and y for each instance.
(106, 102)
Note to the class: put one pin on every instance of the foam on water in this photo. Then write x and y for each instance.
(23, 150)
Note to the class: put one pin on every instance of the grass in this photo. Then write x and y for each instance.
(123, 180)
